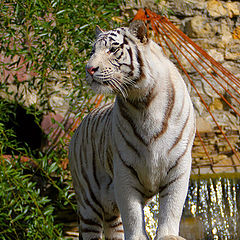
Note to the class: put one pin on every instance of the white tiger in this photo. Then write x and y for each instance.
(126, 152)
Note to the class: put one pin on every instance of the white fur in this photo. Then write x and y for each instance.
(151, 158)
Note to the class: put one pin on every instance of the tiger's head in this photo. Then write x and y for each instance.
(116, 63)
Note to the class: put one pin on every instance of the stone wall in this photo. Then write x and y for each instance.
(215, 26)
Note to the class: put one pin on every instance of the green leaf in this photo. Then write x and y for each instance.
(53, 167)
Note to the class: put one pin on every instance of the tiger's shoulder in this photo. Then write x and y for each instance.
(96, 118)
(93, 126)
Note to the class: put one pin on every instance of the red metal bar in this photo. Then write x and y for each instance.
(207, 56)
(199, 49)
(157, 36)
(180, 41)
(205, 150)
(225, 100)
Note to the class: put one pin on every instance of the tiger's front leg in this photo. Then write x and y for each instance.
(172, 197)
(130, 203)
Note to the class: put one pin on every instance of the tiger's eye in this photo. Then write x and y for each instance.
(112, 50)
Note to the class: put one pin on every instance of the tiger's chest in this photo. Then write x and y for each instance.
(137, 150)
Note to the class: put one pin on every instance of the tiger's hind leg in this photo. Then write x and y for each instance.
(113, 228)
(90, 225)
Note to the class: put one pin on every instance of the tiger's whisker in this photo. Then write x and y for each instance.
(121, 87)
(114, 86)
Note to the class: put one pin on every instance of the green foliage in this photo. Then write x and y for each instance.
(53, 39)
(24, 213)
(31, 194)
(7, 135)
(48, 41)
(10, 127)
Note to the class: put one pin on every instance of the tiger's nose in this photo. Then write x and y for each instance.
(92, 70)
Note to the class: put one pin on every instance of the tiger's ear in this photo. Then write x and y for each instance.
(98, 30)
(139, 30)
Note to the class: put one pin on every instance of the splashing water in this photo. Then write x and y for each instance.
(211, 210)
(214, 203)
(151, 215)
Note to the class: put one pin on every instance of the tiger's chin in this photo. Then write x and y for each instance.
(100, 88)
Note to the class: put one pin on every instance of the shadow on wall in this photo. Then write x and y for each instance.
(28, 134)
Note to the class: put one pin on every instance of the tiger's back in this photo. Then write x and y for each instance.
(125, 153)
(87, 155)
(92, 177)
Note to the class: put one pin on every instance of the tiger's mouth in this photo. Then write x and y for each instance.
(101, 82)
(108, 84)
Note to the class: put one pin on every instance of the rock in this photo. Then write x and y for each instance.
(48, 123)
(216, 9)
(226, 35)
(210, 90)
(216, 104)
(198, 105)
(198, 27)
(199, 5)
(28, 98)
(233, 67)
(171, 237)
(233, 9)
(233, 51)
(50, 126)
(226, 38)
(181, 8)
(192, 227)
(203, 125)
(185, 60)
(236, 33)
(187, 8)
(226, 120)
(58, 99)
(131, 5)
(218, 56)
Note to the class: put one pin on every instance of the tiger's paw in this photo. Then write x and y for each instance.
(171, 237)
